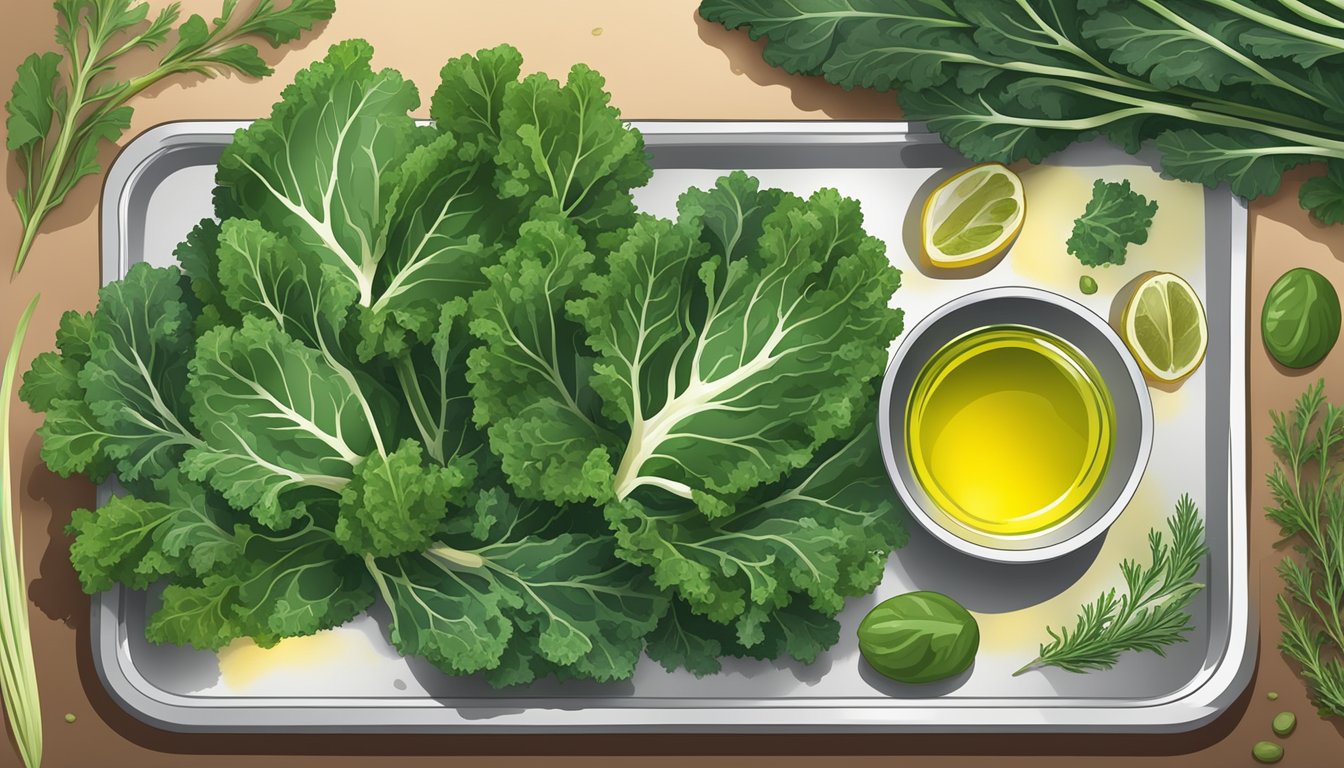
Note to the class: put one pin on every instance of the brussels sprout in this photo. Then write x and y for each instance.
(1300, 321)
(919, 637)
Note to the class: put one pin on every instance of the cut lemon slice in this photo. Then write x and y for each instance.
(1165, 328)
(973, 216)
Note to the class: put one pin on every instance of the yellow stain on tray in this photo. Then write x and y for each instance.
(243, 664)
(1021, 632)
(1057, 195)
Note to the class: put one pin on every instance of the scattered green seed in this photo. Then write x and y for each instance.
(1272, 696)
(1087, 284)
(1267, 752)
(597, 31)
(69, 717)
(1284, 723)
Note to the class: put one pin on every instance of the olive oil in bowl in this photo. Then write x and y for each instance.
(1009, 430)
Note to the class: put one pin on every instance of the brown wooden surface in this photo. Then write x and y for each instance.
(660, 62)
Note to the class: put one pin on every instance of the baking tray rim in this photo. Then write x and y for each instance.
(1201, 701)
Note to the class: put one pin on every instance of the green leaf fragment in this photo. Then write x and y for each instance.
(1324, 195)
(31, 104)
(1115, 218)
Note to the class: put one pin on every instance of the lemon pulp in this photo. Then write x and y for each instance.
(1009, 430)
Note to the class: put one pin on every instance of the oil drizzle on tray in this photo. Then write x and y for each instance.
(244, 666)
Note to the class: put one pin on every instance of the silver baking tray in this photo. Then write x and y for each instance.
(350, 679)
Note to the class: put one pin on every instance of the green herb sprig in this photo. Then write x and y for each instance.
(1149, 616)
(1309, 509)
(65, 105)
(18, 675)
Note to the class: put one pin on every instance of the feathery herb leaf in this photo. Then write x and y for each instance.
(1309, 509)
(60, 116)
(1149, 616)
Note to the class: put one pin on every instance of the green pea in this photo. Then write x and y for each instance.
(1272, 696)
(1267, 752)
(69, 718)
(1087, 284)
(1284, 723)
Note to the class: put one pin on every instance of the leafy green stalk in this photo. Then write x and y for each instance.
(1295, 30)
(1229, 91)
(18, 675)
(1149, 616)
(1311, 14)
(1309, 507)
(59, 116)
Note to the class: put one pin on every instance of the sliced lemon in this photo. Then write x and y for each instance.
(1164, 326)
(973, 216)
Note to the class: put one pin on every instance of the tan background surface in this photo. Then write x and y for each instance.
(661, 62)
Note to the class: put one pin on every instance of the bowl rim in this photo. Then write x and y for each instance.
(893, 463)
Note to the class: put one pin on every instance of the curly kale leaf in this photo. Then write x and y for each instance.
(1114, 218)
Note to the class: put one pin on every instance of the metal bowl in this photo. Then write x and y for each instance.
(1069, 321)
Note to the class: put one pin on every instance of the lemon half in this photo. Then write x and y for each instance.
(973, 216)
(1164, 326)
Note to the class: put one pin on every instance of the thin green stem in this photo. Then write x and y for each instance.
(18, 674)
(455, 557)
(1279, 25)
(431, 433)
(55, 164)
(1318, 146)
(1218, 45)
(1311, 14)
(1109, 76)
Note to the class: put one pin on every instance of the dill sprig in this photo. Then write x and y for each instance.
(66, 105)
(1149, 616)
(1309, 509)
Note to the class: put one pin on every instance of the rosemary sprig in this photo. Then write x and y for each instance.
(1149, 616)
(1309, 509)
(59, 116)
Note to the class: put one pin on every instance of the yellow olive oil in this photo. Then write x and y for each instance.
(1009, 430)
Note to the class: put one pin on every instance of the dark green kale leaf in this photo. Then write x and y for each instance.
(1114, 218)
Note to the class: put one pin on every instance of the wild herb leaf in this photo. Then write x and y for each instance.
(66, 106)
(1148, 615)
(1309, 510)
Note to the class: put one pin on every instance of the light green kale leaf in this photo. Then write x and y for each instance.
(820, 535)
(564, 148)
(686, 640)
(283, 585)
(281, 423)
(530, 377)
(730, 357)
(135, 379)
(135, 541)
(520, 595)
(72, 440)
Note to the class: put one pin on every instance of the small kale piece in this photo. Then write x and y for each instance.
(1324, 195)
(1115, 217)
